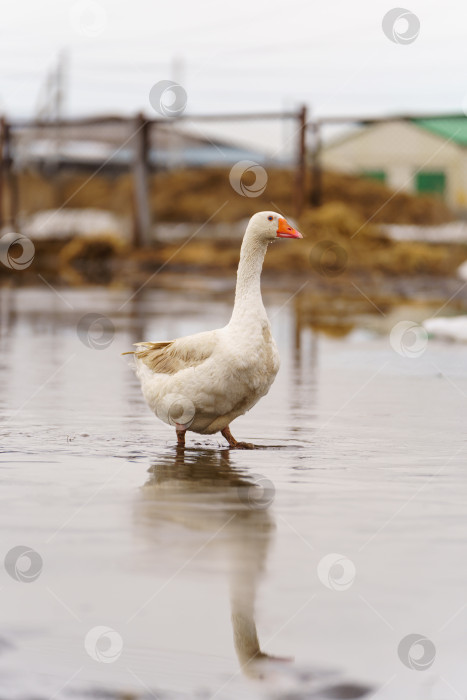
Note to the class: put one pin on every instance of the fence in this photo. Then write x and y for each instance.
(141, 146)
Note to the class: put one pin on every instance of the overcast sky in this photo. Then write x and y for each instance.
(236, 56)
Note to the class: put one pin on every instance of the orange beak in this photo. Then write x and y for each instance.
(284, 230)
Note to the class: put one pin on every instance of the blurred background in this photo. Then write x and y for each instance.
(136, 139)
(126, 130)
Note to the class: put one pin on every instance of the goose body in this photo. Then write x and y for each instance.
(203, 382)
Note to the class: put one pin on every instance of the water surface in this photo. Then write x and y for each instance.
(211, 569)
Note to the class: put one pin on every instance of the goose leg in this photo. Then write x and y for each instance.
(233, 442)
(180, 435)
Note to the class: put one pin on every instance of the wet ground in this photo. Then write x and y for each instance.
(332, 563)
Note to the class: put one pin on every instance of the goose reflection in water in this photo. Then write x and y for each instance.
(201, 491)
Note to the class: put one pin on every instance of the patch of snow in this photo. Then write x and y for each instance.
(454, 232)
(169, 232)
(64, 223)
(78, 150)
(454, 328)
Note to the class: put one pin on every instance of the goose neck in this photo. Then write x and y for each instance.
(248, 298)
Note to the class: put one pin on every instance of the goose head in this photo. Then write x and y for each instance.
(268, 225)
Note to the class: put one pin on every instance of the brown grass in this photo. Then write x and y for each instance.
(339, 240)
(342, 238)
(195, 194)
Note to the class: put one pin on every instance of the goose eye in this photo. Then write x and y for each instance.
(270, 218)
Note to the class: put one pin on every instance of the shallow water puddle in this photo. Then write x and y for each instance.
(152, 571)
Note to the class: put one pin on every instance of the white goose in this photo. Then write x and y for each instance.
(203, 382)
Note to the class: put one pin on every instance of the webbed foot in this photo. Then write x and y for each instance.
(234, 444)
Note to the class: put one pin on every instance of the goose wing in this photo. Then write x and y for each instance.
(169, 357)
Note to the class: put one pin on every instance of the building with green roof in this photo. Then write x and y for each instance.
(426, 155)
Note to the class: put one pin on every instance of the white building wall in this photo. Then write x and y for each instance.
(460, 194)
(400, 177)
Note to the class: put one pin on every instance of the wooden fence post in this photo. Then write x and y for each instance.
(316, 170)
(300, 177)
(2, 181)
(142, 221)
(8, 188)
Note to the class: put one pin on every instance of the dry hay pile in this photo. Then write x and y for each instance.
(373, 200)
(338, 240)
(341, 237)
(90, 260)
(194, 195)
